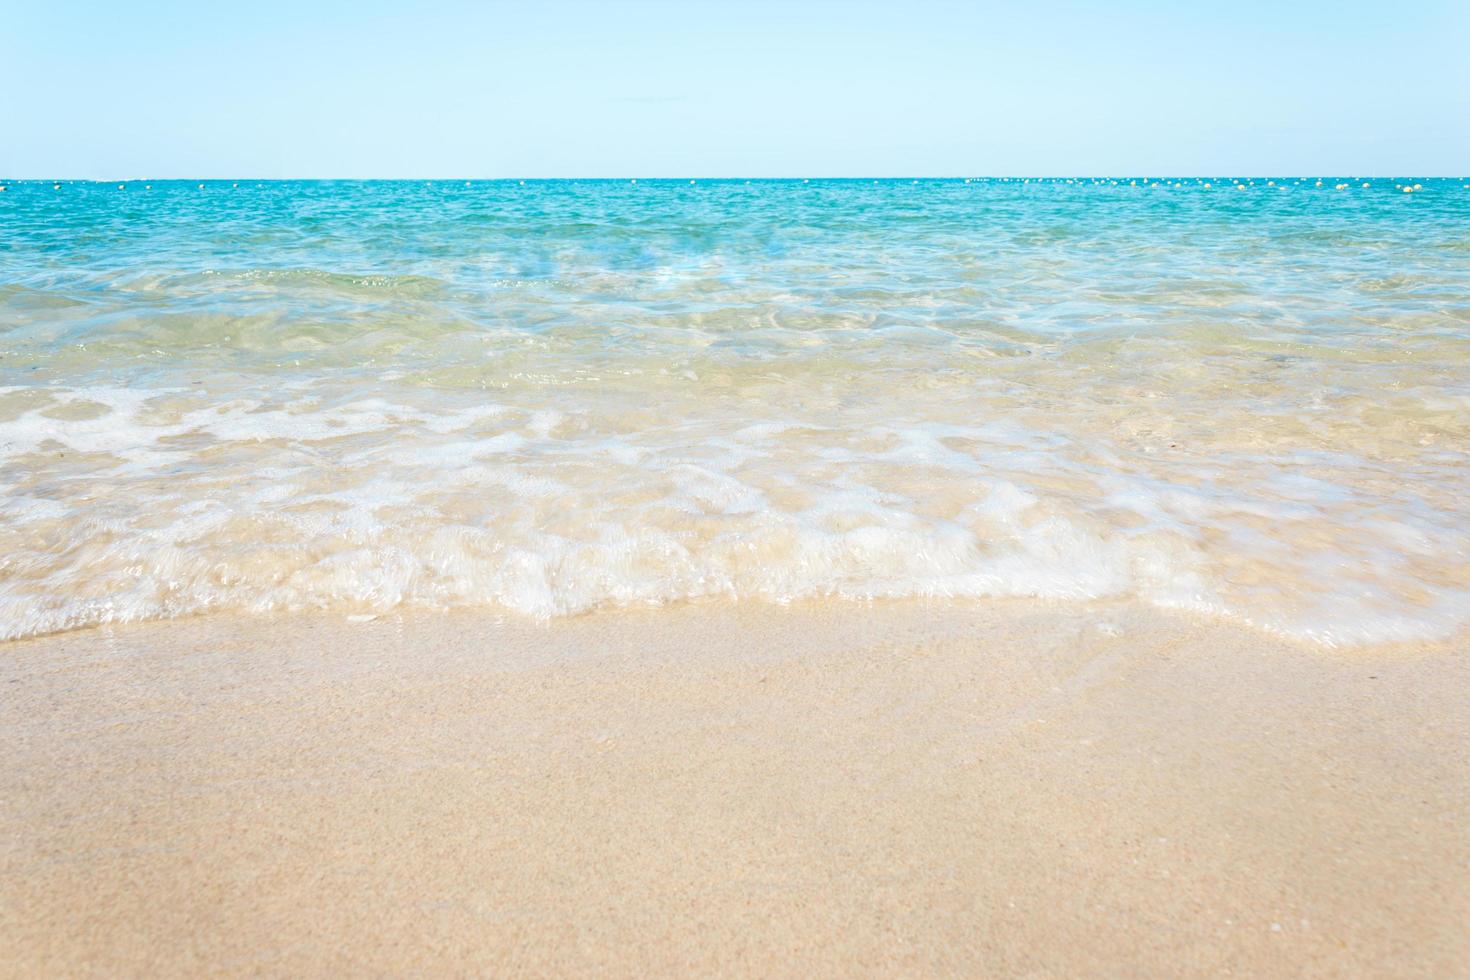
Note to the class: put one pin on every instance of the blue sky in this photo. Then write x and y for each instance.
(562, 88)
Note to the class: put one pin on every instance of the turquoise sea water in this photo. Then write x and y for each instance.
(1251, 401)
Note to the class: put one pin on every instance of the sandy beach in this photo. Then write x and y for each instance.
(908, 788)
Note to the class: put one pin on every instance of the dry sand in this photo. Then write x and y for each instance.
(908, 788)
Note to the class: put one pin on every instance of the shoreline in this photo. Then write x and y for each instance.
(1008, 787)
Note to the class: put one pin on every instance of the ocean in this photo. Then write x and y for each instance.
(1248, 400)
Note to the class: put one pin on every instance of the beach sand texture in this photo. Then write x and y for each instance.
(908, 788)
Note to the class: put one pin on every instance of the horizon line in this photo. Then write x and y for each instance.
(1154, 175)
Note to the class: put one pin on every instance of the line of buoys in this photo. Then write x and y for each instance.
(1239, 183)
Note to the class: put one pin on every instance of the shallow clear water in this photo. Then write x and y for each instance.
(558, 395)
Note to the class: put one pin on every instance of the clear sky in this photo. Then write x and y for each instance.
(560, 88)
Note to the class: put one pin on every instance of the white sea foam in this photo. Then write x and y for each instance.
(162, 506)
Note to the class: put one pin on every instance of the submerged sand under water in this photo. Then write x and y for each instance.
(1001, 788)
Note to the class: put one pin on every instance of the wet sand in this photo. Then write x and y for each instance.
(832, 789)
